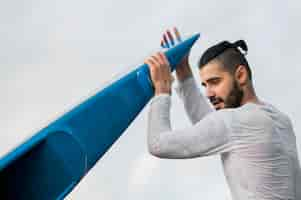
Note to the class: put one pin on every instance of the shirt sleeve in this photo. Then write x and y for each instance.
(195, 104)
(207, 137)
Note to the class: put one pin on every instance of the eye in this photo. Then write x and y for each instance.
(214, 81)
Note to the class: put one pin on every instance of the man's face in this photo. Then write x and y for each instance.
(221, 88)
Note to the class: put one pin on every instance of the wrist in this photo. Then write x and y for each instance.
(183, 72)
(159, 91)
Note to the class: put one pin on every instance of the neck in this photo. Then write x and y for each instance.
(250, 96)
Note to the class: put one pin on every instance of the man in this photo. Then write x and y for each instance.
(256, 141)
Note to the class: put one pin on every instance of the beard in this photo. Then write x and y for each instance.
(235, 97)
(233, 100)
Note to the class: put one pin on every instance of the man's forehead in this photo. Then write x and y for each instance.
(211, 70)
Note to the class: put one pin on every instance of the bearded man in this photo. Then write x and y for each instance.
(255, 140)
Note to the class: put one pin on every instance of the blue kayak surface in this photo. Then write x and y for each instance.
(52, 162)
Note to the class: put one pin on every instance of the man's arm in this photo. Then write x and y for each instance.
(208, 136)
(195, 104)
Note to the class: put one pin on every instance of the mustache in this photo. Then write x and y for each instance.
(215, 100)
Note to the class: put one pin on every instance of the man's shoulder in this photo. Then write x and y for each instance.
(255, 114)
(252, 115)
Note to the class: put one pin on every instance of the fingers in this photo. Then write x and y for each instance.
(159, 66)
(159, 59)
(151, 62)
(160, 73)
(164, 60)
(152, 68)
(178, 36)
(165, 42)
(168, 38)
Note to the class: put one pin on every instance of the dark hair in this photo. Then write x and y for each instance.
(228, 54)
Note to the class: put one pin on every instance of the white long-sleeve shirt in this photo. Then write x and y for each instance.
(256, 142)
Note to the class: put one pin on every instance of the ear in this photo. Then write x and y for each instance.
(241, 75)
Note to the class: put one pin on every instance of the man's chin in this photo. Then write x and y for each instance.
(219, 106)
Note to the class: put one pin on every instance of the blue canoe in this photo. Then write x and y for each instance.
(52, 162)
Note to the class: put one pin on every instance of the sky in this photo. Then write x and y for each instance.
(54, 54)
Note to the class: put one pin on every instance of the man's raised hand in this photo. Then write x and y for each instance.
(168, 40)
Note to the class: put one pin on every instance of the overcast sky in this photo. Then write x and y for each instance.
(54, 54)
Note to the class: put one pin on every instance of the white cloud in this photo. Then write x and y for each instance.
(141, 172)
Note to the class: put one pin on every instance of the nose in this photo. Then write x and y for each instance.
(209, 92)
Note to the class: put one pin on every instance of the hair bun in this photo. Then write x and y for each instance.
(242, 44)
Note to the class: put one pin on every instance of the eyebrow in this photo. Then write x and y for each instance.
(210, 79)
